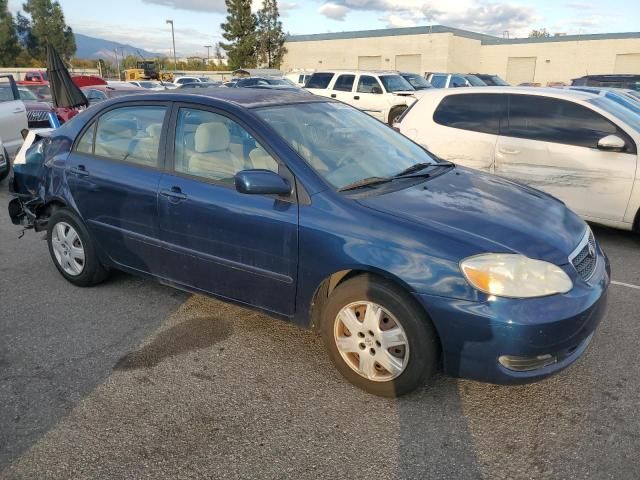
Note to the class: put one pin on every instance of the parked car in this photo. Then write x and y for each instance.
(35, 77)
(618, 95)
(631, 82)
(201, 85)
(152, 85)
(491, 80)
(418, 82)
(383, 95)
(299, 78)
(178, 81)
(39, 114)
(454, 80)
(577, 146)
(262, 81)
(13, 115)
(100, 93)
(529, 84)
(316, 213)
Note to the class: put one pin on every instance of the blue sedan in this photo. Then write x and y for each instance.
(314, 212)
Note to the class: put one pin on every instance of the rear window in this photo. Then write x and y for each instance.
(320, 80)
(477, 112)
(438, 81)
(344, 83)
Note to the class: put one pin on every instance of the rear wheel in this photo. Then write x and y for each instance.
(73, 250)
(378, 338)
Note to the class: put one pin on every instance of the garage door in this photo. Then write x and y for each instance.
(409, 63)
(627, 63)
(521, 69)
(370, 63)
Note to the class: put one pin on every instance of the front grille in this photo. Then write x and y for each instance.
(586, 258)
(37, 115)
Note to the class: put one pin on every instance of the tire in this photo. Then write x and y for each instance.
(394, 114)
(5, 173)
(66, 237)
(412, 363)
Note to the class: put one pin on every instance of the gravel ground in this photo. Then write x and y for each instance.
(134, 380)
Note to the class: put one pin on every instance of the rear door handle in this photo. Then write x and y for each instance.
(175, 194)
(509, 151)
(357, 97)
(80, 171)
(333, 95)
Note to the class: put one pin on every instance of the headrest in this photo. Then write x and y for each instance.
(118, 129)
(154, 130)
(211, 137)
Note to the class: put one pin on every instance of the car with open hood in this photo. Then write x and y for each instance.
(314, 212)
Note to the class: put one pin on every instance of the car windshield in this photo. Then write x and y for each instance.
(26, 94)
(342, 144)
(148, 84)
(498, 81)
(276, 81)
(417, 82)
(475, 81)
(617, 110)
(395, 83)
(42, 92)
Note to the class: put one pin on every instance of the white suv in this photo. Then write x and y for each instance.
(579, 147)
(383, 95)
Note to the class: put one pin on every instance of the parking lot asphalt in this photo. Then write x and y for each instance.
(134, 380)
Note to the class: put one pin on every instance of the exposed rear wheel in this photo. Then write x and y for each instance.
(378, 338)
(73, 250)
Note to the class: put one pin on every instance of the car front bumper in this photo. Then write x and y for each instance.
(541, 335)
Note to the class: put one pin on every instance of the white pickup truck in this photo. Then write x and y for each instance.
(13, 115)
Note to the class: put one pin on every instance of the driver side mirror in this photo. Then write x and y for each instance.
(376, 90)
(612, 143)
(261, 182)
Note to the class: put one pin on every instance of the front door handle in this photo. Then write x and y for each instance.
(174, 194)
(80, 171)
(357, 97)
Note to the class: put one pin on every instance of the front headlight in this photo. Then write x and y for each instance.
(514, 276)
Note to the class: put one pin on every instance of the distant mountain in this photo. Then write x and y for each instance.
(93, 48)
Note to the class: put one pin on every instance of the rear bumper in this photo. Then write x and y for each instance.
(475, 335)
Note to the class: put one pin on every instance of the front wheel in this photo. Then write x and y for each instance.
(394, 114)
(73, 250)
(378, 338)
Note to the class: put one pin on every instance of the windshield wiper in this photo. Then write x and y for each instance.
(413, 169)
(365, 182)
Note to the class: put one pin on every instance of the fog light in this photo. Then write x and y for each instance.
(526, 364)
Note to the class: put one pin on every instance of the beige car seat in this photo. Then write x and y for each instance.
(212, 157)
(145, 150)
(261, 159)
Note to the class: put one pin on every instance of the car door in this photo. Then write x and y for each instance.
(343, 88)
(369, 97)
(464, 129)
(113, 173)
(13, 115)
(237, 246)
(552, 144)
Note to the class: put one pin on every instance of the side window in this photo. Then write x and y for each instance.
(458, 81)
(6, 90)
(130, 134)
(85, 144)
(213, 146)
(478, 112)
(344, 83)
(301, 79)
(555, 120)
(438, 81)
(320, 80)
(368, 83)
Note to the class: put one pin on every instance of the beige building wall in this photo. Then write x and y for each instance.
(560, 61)
(555, 61)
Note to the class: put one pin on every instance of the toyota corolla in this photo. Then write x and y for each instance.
(314, 212)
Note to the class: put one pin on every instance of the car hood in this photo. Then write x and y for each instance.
(488, 212)
(34, 105)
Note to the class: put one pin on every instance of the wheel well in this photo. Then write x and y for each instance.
(45, 212)
(330, 283)
(397, 108)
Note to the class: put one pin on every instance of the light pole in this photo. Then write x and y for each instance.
(208, 47)
(173, 37)
(115, 50)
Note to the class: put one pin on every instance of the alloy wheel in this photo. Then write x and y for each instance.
(68, 249)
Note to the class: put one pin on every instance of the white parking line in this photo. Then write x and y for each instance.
(628, 285)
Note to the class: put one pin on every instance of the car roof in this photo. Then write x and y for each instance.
(244, 97)
(541, 91)
(355, 72)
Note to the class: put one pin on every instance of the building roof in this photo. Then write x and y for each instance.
(483, 38)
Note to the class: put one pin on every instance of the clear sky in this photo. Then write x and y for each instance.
(197, 22)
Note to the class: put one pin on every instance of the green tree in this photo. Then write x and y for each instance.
(9, 45)
(270, 36)
(542, 33)
(240, 33)
(46, 25)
